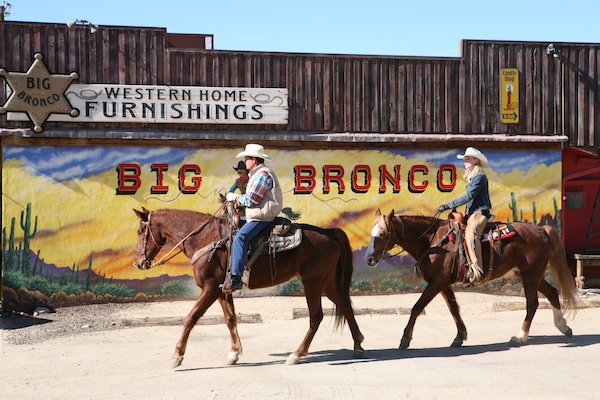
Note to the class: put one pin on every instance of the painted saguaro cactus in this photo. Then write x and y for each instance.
(28, 234)
(8, 249)
(513, 207)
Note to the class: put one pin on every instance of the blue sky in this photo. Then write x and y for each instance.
(391, 27)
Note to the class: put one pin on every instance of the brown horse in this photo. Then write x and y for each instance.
(323, 261)
(526, 254)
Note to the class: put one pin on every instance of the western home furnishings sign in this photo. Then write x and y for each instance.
(173, 104)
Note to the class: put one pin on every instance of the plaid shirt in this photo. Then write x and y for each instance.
(256, 192)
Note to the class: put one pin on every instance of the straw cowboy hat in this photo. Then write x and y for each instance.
(241, 166)
(254, 150)
(473, 152)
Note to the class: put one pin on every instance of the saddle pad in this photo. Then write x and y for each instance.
(289, 241)
(506, 231)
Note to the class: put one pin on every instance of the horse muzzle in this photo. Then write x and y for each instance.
(370, 257)
(371, 261)
(142, 266)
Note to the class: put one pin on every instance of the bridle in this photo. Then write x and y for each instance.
(150, 234)
(168, 255)
(390, 232)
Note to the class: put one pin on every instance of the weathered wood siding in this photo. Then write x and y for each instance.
(336, 93)
(558, 96)
(339, 93)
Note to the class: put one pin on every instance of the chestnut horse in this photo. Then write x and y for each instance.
(323, 261)
(526, 254)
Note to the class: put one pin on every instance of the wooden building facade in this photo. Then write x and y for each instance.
(342, 93)
(340, 101)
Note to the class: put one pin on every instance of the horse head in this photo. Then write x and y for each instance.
(149, 241)
(381, 238)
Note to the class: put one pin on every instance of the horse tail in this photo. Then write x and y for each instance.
(343, 273)
(560, 270)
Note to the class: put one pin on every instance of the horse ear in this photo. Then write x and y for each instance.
(378, 213)
(142, 215)
(391, 215)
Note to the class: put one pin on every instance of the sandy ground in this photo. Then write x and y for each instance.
(133, 362)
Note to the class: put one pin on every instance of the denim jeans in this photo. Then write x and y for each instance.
(240, 244)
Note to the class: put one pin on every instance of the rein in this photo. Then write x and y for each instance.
(391, 231)
(389, 234)
(164, 258)
(435, 218)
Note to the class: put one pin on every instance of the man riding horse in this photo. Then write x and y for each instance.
(263, 201)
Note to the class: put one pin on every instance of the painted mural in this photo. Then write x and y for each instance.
(69, 228)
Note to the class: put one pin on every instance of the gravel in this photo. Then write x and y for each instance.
(67, 321)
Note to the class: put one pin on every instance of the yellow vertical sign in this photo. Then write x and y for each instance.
(509, 95)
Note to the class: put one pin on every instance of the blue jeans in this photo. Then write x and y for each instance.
(247, 232)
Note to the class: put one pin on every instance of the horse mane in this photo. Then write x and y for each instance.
(186, 219)
(419, 219)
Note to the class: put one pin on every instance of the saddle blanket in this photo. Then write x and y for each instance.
(503, 231)
(290, 240)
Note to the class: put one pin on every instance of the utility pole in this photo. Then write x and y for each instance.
(4, 10)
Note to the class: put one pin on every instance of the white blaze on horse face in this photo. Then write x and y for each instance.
(375, 232)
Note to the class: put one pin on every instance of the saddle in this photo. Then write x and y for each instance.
(495, 232)
(280, 235)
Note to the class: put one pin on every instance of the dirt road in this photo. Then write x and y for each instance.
(133, 362)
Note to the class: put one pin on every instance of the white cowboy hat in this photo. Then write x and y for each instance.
(473, 152)
(254, 150)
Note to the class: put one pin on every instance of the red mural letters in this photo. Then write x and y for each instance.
(129, 178)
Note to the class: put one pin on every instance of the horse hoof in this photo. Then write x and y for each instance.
(176, 362)
(232, 358)
(293, 359)
(456, 343)
(403, 346)
(358, 353)
(515, 341)
(569, 332)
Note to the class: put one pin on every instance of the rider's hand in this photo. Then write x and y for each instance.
(231, 197)
(443, 208)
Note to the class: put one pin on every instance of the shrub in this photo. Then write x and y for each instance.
(364, 285)
(175, 287)
(72, 288)
(13, 279)
(394, 283)
(40, 283)
(291, 288)
(550, 278)
(104, 288)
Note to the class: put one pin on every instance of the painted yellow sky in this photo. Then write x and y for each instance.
(85, 217)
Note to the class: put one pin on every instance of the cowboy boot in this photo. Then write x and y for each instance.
(232, 283)
(477, 271)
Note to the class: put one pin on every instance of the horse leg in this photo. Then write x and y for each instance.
(428, 294)
(552, 295)
(205, 300)
(226, 302)
(345, 308)
(461, 336)
(315, 310)
(532, 305)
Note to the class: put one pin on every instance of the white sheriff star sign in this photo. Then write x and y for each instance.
(38, 93)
